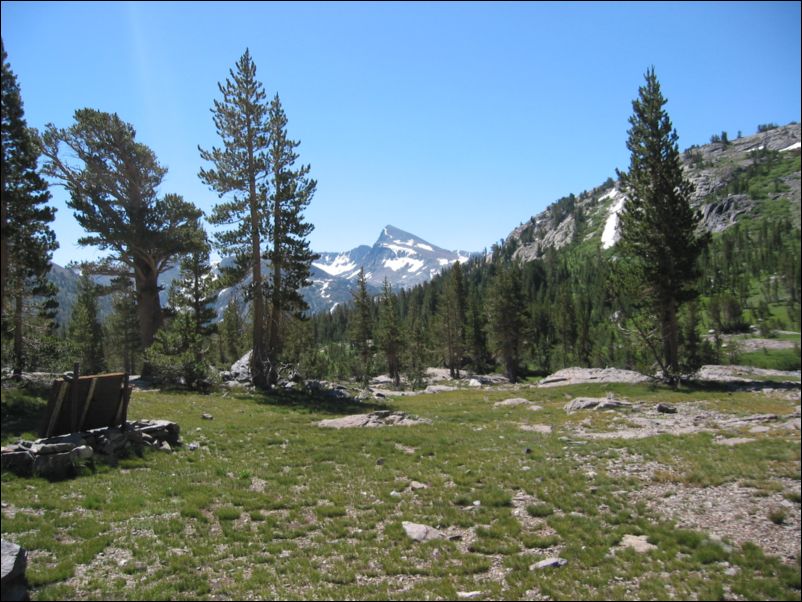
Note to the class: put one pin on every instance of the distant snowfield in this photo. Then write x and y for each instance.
(339, 266)
(794, 146)
(609, 235)
(402, 262)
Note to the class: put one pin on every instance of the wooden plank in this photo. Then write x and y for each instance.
(87, 403)
(76, 373)
(62, 393)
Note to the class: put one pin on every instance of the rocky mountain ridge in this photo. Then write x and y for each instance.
(402, 258)
(713, 169)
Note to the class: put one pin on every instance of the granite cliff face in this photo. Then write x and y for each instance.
(718, 172)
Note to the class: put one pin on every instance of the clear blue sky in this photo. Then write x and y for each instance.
(453, 121)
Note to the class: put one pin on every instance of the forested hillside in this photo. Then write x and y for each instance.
(555, 272)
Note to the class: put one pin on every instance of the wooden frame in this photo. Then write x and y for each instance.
(82, 403)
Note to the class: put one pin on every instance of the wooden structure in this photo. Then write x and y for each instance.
(80, 403)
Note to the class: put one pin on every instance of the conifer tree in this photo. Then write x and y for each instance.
(195, 291)
(27, 240)
(113, 193)
(659, 246)
(85, 333)
(506, 319)
(232, 334)
(240, 171)
(452, 319)
(124, 343)
(389, 333)
(362, 325)
(291, 190)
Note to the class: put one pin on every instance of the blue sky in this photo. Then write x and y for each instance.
(454, 121)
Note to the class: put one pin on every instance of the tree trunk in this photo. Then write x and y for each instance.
(18, 351)
(671, 342)
(274, 338)
(3, 252)
(259, 357)
(148, 307)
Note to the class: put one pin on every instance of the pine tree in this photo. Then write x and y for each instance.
(27, 240)
(240, 170)
(659, 246)
(389, 333)
(113, 193)
(85, 333)
(452, 320)
(232, 334)
(195, 291)
(124, 343)
(506, 319)
(291, 190)
(362, 326)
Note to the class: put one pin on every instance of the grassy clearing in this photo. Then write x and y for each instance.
(271, 506)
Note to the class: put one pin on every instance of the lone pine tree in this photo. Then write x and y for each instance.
(659, 244)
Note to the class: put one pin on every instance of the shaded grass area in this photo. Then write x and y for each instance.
(270, 506)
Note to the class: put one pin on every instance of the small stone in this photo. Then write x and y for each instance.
(207, 416)
(469, 595)
(380, 462)
(554, 562)
(665, 408)
(528, 450)
(415, 485)
(193, 446)
(418, 532)
(394, 493)
(638, 543)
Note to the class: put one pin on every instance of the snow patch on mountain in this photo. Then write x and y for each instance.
(340, 265)
(610, 232)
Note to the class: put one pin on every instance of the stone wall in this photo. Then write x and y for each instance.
(59, 457)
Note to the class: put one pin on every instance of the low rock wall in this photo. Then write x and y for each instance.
(58, 457)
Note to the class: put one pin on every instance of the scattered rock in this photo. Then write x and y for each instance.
(666, 408)
(14, 561)
(554, 562)
(418, 532)
(515, 401)
(439, 389)
(374, 419)
(544, 429)
(731, 442)
(415, 485)
(639, 543)
(597, 403)
(57, 457)
(206, 416)
(474, 383)
(469, 595)
(575, 376)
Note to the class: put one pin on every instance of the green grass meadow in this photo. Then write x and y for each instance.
(270, 506)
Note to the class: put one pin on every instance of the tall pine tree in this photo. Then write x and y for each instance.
(291, 190)
(390, 334)
(362, 326)
(659, 244)
(27, 240)
(240, 172)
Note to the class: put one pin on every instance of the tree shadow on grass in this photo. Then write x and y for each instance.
(315, 401)
(21, 412)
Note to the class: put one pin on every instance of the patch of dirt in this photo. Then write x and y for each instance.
(690, 418)
(732, 512)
